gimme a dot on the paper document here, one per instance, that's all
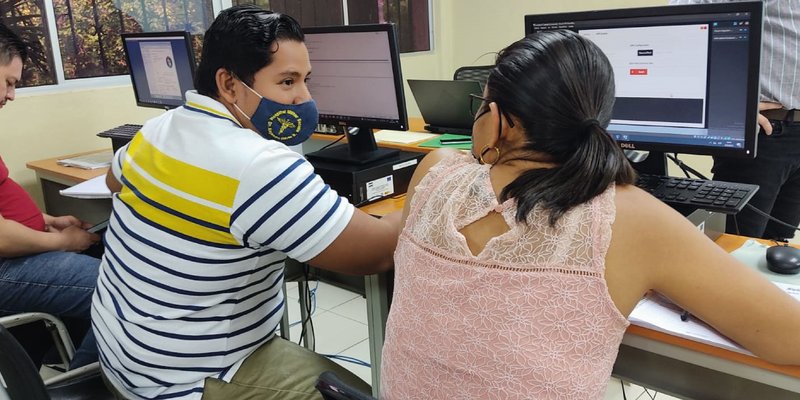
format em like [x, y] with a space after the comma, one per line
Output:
[658, 313]
[89, 161]
[402, 137]
[94, 188]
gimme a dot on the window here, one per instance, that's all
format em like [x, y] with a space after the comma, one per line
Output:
[410, 16]
[27, 18]
[73, 39]
[88, 32]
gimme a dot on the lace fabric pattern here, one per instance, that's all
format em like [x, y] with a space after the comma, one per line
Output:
[529, 317]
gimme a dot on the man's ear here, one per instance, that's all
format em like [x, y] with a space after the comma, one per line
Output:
[226, 85]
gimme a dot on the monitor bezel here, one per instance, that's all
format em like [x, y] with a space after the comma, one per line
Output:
[394, 51]
[754, 58]
[187, 37]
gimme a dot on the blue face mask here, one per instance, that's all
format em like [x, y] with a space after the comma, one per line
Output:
[289, 124]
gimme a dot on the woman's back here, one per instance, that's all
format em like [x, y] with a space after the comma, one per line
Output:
[529, 315]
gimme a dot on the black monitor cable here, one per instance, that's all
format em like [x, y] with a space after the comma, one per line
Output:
[332, 143]
[686, 169]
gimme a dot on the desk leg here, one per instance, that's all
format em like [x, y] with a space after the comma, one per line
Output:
[284, 324]
[376, 288]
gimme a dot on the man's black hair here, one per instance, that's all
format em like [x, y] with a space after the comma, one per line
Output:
[241, 41]
[11, 45]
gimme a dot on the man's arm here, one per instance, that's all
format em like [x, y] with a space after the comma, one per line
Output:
[19, 240]
[111, 181]
[366, 246]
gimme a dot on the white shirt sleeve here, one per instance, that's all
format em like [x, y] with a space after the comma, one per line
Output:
[283, 205]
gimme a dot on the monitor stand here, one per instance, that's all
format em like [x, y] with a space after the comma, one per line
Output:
[644, 162]
[360, 149]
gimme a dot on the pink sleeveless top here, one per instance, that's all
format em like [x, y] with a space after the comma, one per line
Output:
[530, 317]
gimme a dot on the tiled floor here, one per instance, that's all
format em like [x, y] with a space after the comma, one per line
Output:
[340, 326]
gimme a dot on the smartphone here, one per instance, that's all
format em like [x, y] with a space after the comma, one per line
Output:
[98, 227]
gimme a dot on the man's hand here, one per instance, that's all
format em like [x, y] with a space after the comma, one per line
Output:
[60, 223]
[762, 120]
[75, 238]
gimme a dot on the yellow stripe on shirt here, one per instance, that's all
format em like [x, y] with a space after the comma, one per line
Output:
[187, 178]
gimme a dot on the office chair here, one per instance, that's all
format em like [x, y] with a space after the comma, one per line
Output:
[19, 379]
[478, 73]
[332, 388]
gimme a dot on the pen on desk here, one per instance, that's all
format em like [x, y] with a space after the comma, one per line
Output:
[685, 316]
[456, 141]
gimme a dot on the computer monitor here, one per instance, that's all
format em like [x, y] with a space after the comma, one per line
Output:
[161, 66]
[357, 83]
[687, 77]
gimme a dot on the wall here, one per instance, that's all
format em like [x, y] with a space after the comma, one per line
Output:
[39, 126]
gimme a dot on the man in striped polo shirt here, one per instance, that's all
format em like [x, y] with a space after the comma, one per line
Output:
[776, 168]
[208, 202]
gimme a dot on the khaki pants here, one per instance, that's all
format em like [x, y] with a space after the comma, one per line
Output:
[279, 370]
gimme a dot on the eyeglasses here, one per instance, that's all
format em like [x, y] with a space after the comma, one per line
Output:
[479, 105]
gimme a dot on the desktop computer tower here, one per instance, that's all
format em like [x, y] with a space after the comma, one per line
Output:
[367, 183]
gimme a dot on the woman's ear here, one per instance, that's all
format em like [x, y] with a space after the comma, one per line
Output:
[495, 117]
[226, 86]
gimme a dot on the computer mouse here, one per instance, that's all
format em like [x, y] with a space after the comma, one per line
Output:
[783, 259]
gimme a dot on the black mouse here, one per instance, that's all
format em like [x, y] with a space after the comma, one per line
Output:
[783, 259]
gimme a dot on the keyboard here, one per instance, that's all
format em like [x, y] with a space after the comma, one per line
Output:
[719, 196]
[121, 132]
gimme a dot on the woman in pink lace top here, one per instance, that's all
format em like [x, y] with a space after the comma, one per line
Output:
[519, 264]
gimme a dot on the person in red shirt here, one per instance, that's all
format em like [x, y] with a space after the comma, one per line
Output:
[40, 268]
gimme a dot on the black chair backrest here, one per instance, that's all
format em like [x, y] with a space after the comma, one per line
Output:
[22, 380]
[478, 73]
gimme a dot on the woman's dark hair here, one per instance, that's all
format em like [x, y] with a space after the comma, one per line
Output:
[240, 40]
[560, 87]
[11, 45]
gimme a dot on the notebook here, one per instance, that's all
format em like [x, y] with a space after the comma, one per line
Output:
[444, 105]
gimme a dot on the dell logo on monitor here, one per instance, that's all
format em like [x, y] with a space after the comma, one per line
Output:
[629, 146]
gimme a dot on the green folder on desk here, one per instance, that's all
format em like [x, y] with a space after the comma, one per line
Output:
[437, 142]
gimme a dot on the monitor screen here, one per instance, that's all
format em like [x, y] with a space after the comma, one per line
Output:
[357, 82]
[686, 76]
[161, 66]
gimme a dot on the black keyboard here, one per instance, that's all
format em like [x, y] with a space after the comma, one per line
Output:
[719, 196]
[121, 132]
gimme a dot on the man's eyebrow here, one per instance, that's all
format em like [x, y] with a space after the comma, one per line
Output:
[293, 74]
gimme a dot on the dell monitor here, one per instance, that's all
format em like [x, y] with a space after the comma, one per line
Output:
[687, 77]
[161, 66]
[357, 84]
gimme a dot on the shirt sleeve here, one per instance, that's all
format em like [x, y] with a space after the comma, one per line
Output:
[116, 162]
[282, 204]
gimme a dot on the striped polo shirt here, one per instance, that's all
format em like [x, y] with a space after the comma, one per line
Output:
[780, 50]
[190, 283]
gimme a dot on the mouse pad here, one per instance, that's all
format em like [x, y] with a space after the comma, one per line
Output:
[754, 255]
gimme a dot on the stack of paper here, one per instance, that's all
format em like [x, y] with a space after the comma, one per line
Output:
[402, 137]
[94, 188]
[89, 161]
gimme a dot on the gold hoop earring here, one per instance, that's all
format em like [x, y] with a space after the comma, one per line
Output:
[483, 153]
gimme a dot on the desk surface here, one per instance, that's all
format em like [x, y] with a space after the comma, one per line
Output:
[50, 169]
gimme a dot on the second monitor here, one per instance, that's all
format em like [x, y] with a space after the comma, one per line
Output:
[357, 83]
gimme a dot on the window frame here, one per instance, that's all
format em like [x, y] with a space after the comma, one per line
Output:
[63, 85]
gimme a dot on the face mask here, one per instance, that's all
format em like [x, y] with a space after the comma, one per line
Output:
[289, 124]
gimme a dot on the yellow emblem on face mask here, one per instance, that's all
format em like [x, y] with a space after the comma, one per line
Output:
[287, 124]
